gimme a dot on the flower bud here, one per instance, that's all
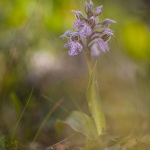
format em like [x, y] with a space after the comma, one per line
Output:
[86, 7]
[91, 4]
[78, 14]
[92, 21]
[89, 9]
[66, 34]
[98, 10]
[107, 22]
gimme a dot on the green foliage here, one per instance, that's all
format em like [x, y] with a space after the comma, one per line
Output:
[80, 122]
[2, 142]
[89, 145]
[8, 144]
[95, 105]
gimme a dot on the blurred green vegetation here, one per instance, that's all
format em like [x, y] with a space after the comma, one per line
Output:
[32, 56]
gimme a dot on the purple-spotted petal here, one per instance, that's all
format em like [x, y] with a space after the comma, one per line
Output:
[78, 23]
[72, 52]
[86, 30]
[68, 44]
[79, 46]
[103, 45]
[75, 47]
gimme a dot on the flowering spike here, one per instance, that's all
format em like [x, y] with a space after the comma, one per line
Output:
[89, 32]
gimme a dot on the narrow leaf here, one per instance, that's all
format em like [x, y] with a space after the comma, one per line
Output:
[95, 105]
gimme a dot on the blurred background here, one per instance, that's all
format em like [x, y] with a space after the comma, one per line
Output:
[36, 70]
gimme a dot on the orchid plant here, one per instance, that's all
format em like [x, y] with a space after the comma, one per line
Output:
[92, 37]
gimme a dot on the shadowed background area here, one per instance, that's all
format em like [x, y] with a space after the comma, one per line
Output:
[32, 56]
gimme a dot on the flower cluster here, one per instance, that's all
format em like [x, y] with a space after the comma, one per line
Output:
[88, 33]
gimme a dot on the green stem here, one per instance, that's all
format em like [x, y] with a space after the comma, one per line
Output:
[88, 56]
[94, 101]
